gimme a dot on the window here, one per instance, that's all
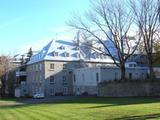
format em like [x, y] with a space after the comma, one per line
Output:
[51, 79]
[36, 67]
[32, 68]
[55, 53]
[97, 77]
[116, 75]
[64, 80]
[65, 90]
[64, 66]
[40, 66]
[62, 48]
[51, 91]
[70, 72]
[74, 78]
[66, 54]
[51, 66]
[40, 78]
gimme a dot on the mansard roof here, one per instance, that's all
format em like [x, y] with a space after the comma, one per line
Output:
[67, 46]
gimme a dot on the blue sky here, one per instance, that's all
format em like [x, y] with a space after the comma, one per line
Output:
[32, 22]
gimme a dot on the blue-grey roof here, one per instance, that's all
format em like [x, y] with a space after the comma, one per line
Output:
[69, 47]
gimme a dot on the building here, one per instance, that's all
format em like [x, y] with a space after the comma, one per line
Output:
[86, 80]
[50, 71]
[69, 67]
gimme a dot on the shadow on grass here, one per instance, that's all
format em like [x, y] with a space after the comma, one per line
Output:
[98, 101]
[141, 117]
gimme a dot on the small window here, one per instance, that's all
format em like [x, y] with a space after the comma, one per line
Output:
[36, 67]
[52, 91]
[78, 89]
[55, 53]
[97, 77]
[40, 77]
[51, 66]
[51, 79]
[64, 80]
[70, 72]
[62, 48]
[74, 78]
[66, 54]
[65, 90]
[64, 66]
[40, 66]
[116, 75]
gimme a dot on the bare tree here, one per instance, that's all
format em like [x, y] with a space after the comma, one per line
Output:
[146, 14]
[112, 20]
[5, 69]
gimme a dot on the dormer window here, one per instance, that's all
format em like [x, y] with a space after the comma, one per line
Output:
[62, 48]
[66, 54]
[55, 53]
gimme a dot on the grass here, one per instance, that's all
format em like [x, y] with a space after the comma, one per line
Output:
[89, 108]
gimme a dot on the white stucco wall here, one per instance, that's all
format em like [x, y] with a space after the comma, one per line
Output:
[86, 78]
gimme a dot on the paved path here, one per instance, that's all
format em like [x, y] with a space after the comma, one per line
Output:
[46, 100]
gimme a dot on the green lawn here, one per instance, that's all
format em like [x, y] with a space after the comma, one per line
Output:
[84, 109]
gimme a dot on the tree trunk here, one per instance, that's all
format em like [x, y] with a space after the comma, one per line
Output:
[123, 72]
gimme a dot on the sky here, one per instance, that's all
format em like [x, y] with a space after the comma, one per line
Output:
[25, 23]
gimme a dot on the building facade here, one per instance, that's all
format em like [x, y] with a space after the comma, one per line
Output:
[71, 68]
[86, 80]
[50, 71]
